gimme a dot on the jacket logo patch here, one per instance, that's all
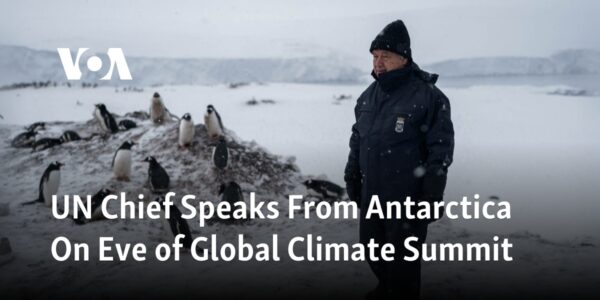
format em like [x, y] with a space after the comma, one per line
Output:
[399, 125]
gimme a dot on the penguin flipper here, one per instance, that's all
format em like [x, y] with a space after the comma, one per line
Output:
[110, 122]
[172, 115]
[112, 164]
[220, 122]
[44, 178]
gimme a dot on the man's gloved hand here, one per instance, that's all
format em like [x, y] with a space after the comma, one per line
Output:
[353, 187]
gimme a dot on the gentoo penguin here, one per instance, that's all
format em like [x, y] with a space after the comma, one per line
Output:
[36, 126]
[220, 154]
[121, 162]
[126, 124]
[96, 211]
[27, 138]
[48, 184]
[69, 136]
[175, 224]
[24, 140]
[45, 143]
[213, 123]
[231, 192]
[105, 119]
[158, 179]
[324, 189]
[186, 131]
[158, 111]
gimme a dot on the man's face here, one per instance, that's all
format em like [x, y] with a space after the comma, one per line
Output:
[385, 61]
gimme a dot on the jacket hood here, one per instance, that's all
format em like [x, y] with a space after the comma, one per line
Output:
[424, 75]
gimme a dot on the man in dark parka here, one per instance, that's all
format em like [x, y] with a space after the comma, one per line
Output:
[401, 146]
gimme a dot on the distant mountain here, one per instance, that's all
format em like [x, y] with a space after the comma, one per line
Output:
[565, 62]
[24, 65]
[21, 64]
[577, 61]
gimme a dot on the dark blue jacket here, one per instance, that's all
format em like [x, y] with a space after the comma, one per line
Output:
[403, 140]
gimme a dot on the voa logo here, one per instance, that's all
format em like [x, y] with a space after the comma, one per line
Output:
[94, 63]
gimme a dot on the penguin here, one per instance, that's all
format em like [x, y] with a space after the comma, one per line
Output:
[36, 126]
[186, 131]
[158, 179]
[105, 119]
[96, 210]
[48, 184]
[69, 136]
[24, 140]
[45, 143]
[213, 122]
[231, 192]
[121, 162]
[126, 124]
[324, 189]
[220, 154]
[158, 111]
[175, 224]
[27, 139]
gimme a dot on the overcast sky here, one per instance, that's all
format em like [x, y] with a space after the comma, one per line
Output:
[274, 28]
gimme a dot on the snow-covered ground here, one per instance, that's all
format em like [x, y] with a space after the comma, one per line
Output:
[518, 143]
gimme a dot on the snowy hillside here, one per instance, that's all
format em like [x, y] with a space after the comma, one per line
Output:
[20, 64]
[565, 62]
